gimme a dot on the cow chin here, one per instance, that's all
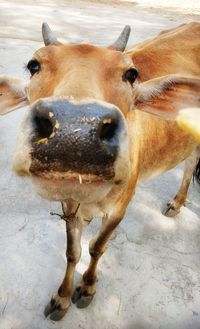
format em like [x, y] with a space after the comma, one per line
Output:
[59, 185]
[62, 186]
[84, 188]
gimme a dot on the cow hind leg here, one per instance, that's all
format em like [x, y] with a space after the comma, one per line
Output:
[85, 291]
[61, 300]
[173, 207]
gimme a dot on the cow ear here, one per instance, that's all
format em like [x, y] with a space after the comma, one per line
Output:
[167, 96]
[12, 94]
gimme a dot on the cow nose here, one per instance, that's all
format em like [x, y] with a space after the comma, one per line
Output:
[79, 137]
[43, 122]
[107, 129]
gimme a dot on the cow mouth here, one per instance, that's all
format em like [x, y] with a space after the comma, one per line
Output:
[61, 186]
[69, 176]
[56, 170]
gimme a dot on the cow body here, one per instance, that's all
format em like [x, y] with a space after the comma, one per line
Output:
[174, 51]
[93, 92]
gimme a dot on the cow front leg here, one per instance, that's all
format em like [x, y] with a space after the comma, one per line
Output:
[61, 300]
[85, 291]
[173, 207]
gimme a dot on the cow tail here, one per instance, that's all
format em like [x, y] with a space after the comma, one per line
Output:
[197, 172]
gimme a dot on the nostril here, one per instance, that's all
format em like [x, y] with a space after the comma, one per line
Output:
[108, 129]
[43, 125]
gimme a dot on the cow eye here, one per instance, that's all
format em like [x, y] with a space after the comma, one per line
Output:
[33, 66]
[130, 75]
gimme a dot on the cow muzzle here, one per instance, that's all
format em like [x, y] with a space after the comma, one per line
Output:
[74, 147]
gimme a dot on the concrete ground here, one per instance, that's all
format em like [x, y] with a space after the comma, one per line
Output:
[191, 6]
[150, 275]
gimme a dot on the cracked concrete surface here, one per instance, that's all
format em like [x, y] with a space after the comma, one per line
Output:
[149, 277]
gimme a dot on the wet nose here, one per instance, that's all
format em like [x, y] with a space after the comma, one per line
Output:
[78, 137]
[43, 121]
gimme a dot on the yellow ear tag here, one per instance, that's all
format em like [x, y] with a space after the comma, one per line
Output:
[189, 120]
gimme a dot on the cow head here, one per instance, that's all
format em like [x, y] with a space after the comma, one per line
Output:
[74, 141]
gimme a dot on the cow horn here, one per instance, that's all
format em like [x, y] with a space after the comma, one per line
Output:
[48, 36]
[121, 42]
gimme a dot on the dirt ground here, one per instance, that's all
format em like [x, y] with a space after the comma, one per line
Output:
[149, 278]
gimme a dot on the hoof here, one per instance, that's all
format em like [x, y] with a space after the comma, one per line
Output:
[49, 309]
[81, 298]
[170, 210]
[55, 310]
[57, 315]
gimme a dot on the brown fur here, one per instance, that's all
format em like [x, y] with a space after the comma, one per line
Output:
[12, 94]
[174, 51]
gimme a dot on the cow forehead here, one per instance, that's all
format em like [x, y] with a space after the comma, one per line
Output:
[82, 53]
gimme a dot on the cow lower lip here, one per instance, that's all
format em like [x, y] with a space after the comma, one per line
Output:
[59, 186]
[69, 176]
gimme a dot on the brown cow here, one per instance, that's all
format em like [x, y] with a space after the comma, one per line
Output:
[83, 144]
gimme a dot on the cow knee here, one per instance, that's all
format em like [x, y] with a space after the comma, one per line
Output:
[96, 249]
[73, 257]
